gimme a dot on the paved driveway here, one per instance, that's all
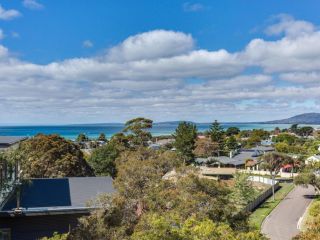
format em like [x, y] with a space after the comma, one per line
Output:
[282, 223]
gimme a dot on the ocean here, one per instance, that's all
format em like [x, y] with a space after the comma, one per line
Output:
[93, 130]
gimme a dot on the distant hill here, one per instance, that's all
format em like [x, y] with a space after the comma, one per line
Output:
[306, 118]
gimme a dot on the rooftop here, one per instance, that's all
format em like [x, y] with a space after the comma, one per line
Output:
[42, 196]
[238, 159]
[10, 140]
[260, 148]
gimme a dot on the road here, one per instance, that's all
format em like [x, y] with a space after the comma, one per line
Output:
[282, 223]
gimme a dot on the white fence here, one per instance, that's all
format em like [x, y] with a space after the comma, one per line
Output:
[262, 180]
[262, 172]
[261, 198]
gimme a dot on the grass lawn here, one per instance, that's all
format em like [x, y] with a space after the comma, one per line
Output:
[257, 217]
[308, 218]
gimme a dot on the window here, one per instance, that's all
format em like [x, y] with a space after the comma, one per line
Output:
[5, 234]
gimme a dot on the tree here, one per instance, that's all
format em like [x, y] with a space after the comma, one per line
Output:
[308, 177]
[82, 138]
[273, 162]
[102, 160]
[47, 156]
[231, 143]
[56, 236]
[217, 136]
[158, 227]
[294, 128]
[305, 131]
[255, 137]
[243, 191]
[282, 147]
[138, 129]
[102, 137]
[232, 131]
[286, 138]
[120, 141]
[145, 206]
[185, 137]
[204, 148]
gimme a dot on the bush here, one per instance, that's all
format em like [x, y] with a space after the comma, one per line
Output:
[315, 209]
[56, 236]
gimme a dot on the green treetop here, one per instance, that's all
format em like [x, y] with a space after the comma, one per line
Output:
[232, 131]
[185, 138]
[138, 131]
[47, 156]
[102, 137]
[217, 135]
[82, 138]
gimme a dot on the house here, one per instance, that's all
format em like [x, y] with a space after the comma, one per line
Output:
[154, 146]
[312, 159]
[8, 172]
[236, 159]
[9, 142]
[51, 205]
[267, 142]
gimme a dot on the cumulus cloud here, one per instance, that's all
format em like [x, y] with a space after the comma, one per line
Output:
[147, 75]
[289, 26]
[32, 4]
[8, 14]
[152, 45]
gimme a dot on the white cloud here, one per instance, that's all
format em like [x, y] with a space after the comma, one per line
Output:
[302, 77]
[8, 14]
[4, 53]
[32, 4]
[87, 44]
[287, 54]
[192, 7]
[147, 75]
[289, 26]
[152, 45]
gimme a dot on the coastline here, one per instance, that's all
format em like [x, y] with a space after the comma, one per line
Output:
[93, 130]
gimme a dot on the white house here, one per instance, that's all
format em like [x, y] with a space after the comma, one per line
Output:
[312, 159]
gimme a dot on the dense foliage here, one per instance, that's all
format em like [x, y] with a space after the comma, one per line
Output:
[185, 138]
[46, 156]
[102, 159]
[148, 207]
[137, 130]
[217, 136]
[82, 138]
[204, 148]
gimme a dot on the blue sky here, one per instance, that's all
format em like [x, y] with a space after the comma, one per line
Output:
[107, 61]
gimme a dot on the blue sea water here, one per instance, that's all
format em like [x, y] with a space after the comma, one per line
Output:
[93, 130]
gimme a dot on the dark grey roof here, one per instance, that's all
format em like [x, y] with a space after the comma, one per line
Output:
[239, 159]
[59, 194]
[10, 140]
[261, 148]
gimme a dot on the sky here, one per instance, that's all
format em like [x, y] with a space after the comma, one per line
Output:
[100, 61]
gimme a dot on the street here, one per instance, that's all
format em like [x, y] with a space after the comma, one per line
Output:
[282, 223]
